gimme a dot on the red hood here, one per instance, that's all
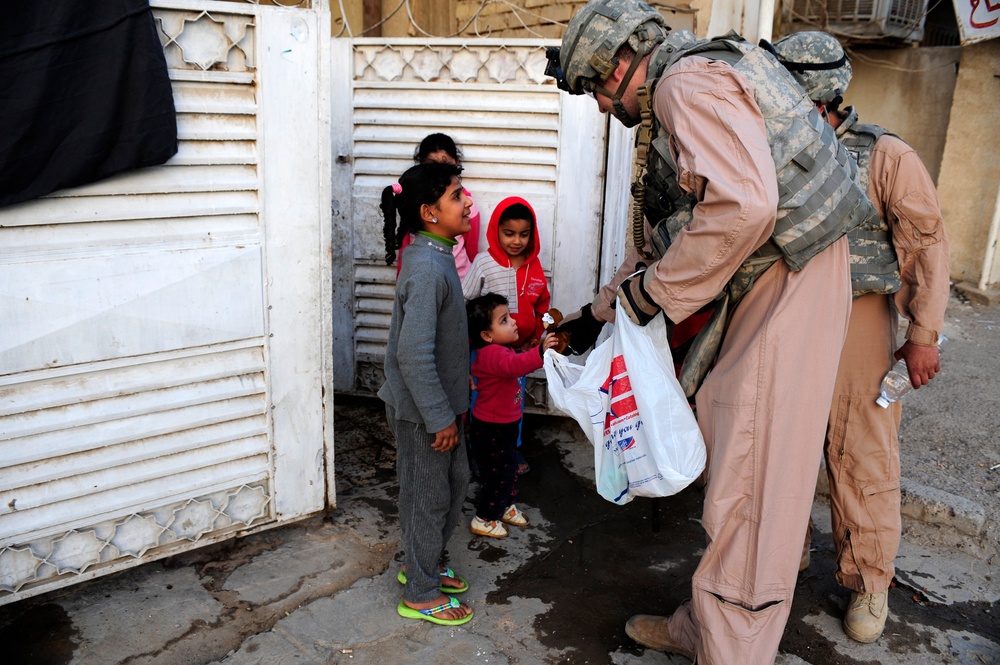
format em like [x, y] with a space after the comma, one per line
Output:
[493, 233]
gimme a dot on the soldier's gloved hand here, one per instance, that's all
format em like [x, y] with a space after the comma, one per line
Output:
[634, 299]
[583, 330]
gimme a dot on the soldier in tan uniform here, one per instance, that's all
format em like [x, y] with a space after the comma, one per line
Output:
[862, 451]
[755, 227]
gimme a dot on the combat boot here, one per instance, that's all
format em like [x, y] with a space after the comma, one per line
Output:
[652, 631]
[866, 615]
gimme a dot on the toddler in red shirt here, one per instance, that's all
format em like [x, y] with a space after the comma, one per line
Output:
[496, 414]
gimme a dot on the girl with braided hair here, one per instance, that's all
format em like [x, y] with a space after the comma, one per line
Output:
[440, 147]
[426, 391]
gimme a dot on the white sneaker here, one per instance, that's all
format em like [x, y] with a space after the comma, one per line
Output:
[492, 529]
[514, 517]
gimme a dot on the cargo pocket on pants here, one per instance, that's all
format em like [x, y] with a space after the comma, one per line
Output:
[734, 466]
[743, 622]
[734, 633]
[882, 510]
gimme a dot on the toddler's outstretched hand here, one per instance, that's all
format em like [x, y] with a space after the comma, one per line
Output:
[549, 341]
[446, 439]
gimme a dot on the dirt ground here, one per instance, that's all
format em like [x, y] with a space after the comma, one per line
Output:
[949, 438]
[605, 563]
[323, 590]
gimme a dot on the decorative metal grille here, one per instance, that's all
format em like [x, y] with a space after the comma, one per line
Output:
[204, 41]
[450, 63]
[77, 550]
[832, 11]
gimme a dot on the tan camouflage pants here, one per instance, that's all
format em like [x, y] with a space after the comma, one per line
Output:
[763, 412]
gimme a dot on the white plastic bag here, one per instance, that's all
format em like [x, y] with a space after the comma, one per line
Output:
[628, 402]
[575, 391]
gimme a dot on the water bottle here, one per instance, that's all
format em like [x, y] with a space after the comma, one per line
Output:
[896, 384]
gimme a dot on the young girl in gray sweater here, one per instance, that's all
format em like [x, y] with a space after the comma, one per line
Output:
[426, 389]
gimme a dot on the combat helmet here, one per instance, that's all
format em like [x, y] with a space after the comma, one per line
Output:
[593, 37]
[818, 62]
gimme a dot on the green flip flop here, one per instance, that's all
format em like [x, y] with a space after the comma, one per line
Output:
[447, 572]
[408, 612]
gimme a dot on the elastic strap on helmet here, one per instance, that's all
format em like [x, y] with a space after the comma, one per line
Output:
[649, 39]
[802, 66]
[813, 66]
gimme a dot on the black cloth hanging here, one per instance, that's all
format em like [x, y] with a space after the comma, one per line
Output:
[84, 94]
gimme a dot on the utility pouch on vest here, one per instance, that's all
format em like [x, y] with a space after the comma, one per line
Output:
[704, 349]
[837, 205]
[874, 266]
[666, 229]
[668, 207]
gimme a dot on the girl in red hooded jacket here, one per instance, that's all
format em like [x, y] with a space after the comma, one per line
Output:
[512, 268]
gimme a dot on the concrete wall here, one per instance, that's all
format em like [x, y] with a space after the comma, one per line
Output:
[908, 91]
[970, 169]
[353, 17]
[435, 17]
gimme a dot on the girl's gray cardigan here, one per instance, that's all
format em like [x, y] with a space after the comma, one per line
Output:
[427, 359]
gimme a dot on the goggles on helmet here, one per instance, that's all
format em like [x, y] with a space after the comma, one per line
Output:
[554, 69]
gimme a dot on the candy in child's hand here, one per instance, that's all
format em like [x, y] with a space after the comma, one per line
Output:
[563, 342]
[551, 320]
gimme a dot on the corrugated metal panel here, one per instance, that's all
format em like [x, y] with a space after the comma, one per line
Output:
[374, 289]
[150, 399]
[27, 243]
[70, 209]
[134, 406]
[507, 123]
[215, 152]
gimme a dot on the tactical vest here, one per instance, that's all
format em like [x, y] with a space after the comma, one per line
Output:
[874, 267]
[818, 200]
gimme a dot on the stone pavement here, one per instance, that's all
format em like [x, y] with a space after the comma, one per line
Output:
[324, 591]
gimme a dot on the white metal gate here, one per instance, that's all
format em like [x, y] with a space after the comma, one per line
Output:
[520, 136]
[164, 335]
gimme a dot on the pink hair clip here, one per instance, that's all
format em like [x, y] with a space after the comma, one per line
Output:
[397, 188]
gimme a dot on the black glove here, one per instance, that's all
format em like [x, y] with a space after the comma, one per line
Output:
[582, 329]
[635, 299]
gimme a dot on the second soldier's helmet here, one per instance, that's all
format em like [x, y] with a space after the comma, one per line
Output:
[818, 62]
[598, 30]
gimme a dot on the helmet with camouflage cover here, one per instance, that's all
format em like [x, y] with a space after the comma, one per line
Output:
[818, 62]
[593, 37]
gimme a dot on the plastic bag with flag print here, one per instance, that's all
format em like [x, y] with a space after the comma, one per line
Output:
[628, 402]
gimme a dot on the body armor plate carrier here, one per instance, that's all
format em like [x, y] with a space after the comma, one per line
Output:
[874, 267]
[818, 199]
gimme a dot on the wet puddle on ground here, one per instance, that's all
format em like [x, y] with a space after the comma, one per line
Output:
[607, 562]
